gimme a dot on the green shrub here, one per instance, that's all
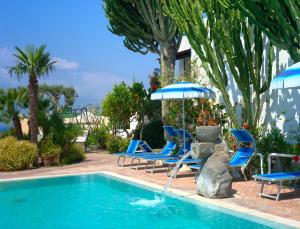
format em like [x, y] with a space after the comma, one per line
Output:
[273, 141]
[74, 155]
[47, 148]
[16, 155]
[116, 144]
[98, 136]
[153, 134]
[7, 133]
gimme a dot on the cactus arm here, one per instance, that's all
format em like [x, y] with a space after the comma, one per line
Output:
[279, 20]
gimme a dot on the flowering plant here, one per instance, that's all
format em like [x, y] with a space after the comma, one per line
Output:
[211, 114]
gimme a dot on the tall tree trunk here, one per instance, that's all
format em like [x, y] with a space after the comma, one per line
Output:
[17, 126]
[167, 65]
[33, 107]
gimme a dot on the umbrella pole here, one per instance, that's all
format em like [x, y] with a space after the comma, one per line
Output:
[183, 123]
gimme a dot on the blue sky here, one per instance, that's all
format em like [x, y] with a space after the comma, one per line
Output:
[75, 31]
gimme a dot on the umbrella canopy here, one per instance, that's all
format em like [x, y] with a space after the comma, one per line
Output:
[183, 90]
[289, 78]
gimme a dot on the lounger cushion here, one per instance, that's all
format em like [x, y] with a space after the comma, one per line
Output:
[186, 161]
[241, 157]
[242, 135]
[279, 176]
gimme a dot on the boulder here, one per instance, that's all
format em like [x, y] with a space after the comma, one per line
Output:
[201, 150]
[214, 180]
[208, 133]
[222, 151]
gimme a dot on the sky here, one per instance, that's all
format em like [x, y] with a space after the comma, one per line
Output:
[90, 58]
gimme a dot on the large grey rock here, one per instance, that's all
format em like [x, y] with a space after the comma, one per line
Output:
[208, 133]
[202, 150]
[222, 151]
[214, 180]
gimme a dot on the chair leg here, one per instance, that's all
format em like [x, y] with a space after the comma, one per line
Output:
[279, 189]
[153, 167]
[243, 172]
[124, 158]
[261, 188]
[118, 162]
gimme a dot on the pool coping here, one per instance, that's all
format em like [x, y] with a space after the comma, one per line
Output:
[180, 193]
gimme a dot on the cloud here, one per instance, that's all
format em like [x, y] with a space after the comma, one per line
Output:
[65, 64]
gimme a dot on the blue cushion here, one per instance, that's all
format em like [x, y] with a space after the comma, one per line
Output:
[241, 157]
[242, 135]
[170, 131]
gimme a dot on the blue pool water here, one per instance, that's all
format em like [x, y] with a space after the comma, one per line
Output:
[98, 201]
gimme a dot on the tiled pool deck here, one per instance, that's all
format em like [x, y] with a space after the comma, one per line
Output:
[245, 192]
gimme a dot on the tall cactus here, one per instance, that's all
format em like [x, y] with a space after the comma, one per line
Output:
[146, 29]
[279, 19]
[226, 44]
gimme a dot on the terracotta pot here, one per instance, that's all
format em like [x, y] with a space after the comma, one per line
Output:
[208, 133]
[48, 160]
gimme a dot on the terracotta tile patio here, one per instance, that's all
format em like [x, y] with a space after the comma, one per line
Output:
[245, 192]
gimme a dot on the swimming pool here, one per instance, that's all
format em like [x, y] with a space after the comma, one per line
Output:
[100, 201]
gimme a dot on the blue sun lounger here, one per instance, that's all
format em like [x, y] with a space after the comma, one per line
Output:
[166, 151]
[154, 158]
[246, 150]
[170, 131]
[276, 178]
[132, 150]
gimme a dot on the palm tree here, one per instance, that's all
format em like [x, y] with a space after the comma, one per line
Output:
[12, 101]
[34, 62]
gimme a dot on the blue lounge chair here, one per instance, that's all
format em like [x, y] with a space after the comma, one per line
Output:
[166, 151]
[170, 131]
[184, 134]
[276, 178]
[188, 161]
[154, 158]
[246, 150]
[132, 150]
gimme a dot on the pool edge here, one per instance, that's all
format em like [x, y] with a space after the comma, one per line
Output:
[215, 202]
[191, 196]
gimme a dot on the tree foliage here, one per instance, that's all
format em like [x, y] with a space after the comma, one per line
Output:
[34, 62]
[146, 29]
[125, 104]
[56, 92]
[12, 102]
[278, 19]
[117, 106]
[227, 43]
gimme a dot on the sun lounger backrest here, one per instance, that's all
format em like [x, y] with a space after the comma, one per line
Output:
[186, 146]
[167, 150]
[133, 145]
[241, 157]
[182, 132]
[170, 131]
[145, 146]
[242, 135]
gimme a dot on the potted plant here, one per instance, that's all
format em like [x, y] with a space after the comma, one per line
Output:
[49, 152]
[209, 120]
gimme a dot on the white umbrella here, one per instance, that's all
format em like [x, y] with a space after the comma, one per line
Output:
[183, 90]
[289, 78]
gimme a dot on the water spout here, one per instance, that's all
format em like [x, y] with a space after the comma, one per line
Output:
[175, 170]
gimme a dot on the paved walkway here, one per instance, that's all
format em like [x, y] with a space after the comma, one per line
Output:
[245, 192]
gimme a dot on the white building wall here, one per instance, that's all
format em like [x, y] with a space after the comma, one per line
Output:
[281, 107]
